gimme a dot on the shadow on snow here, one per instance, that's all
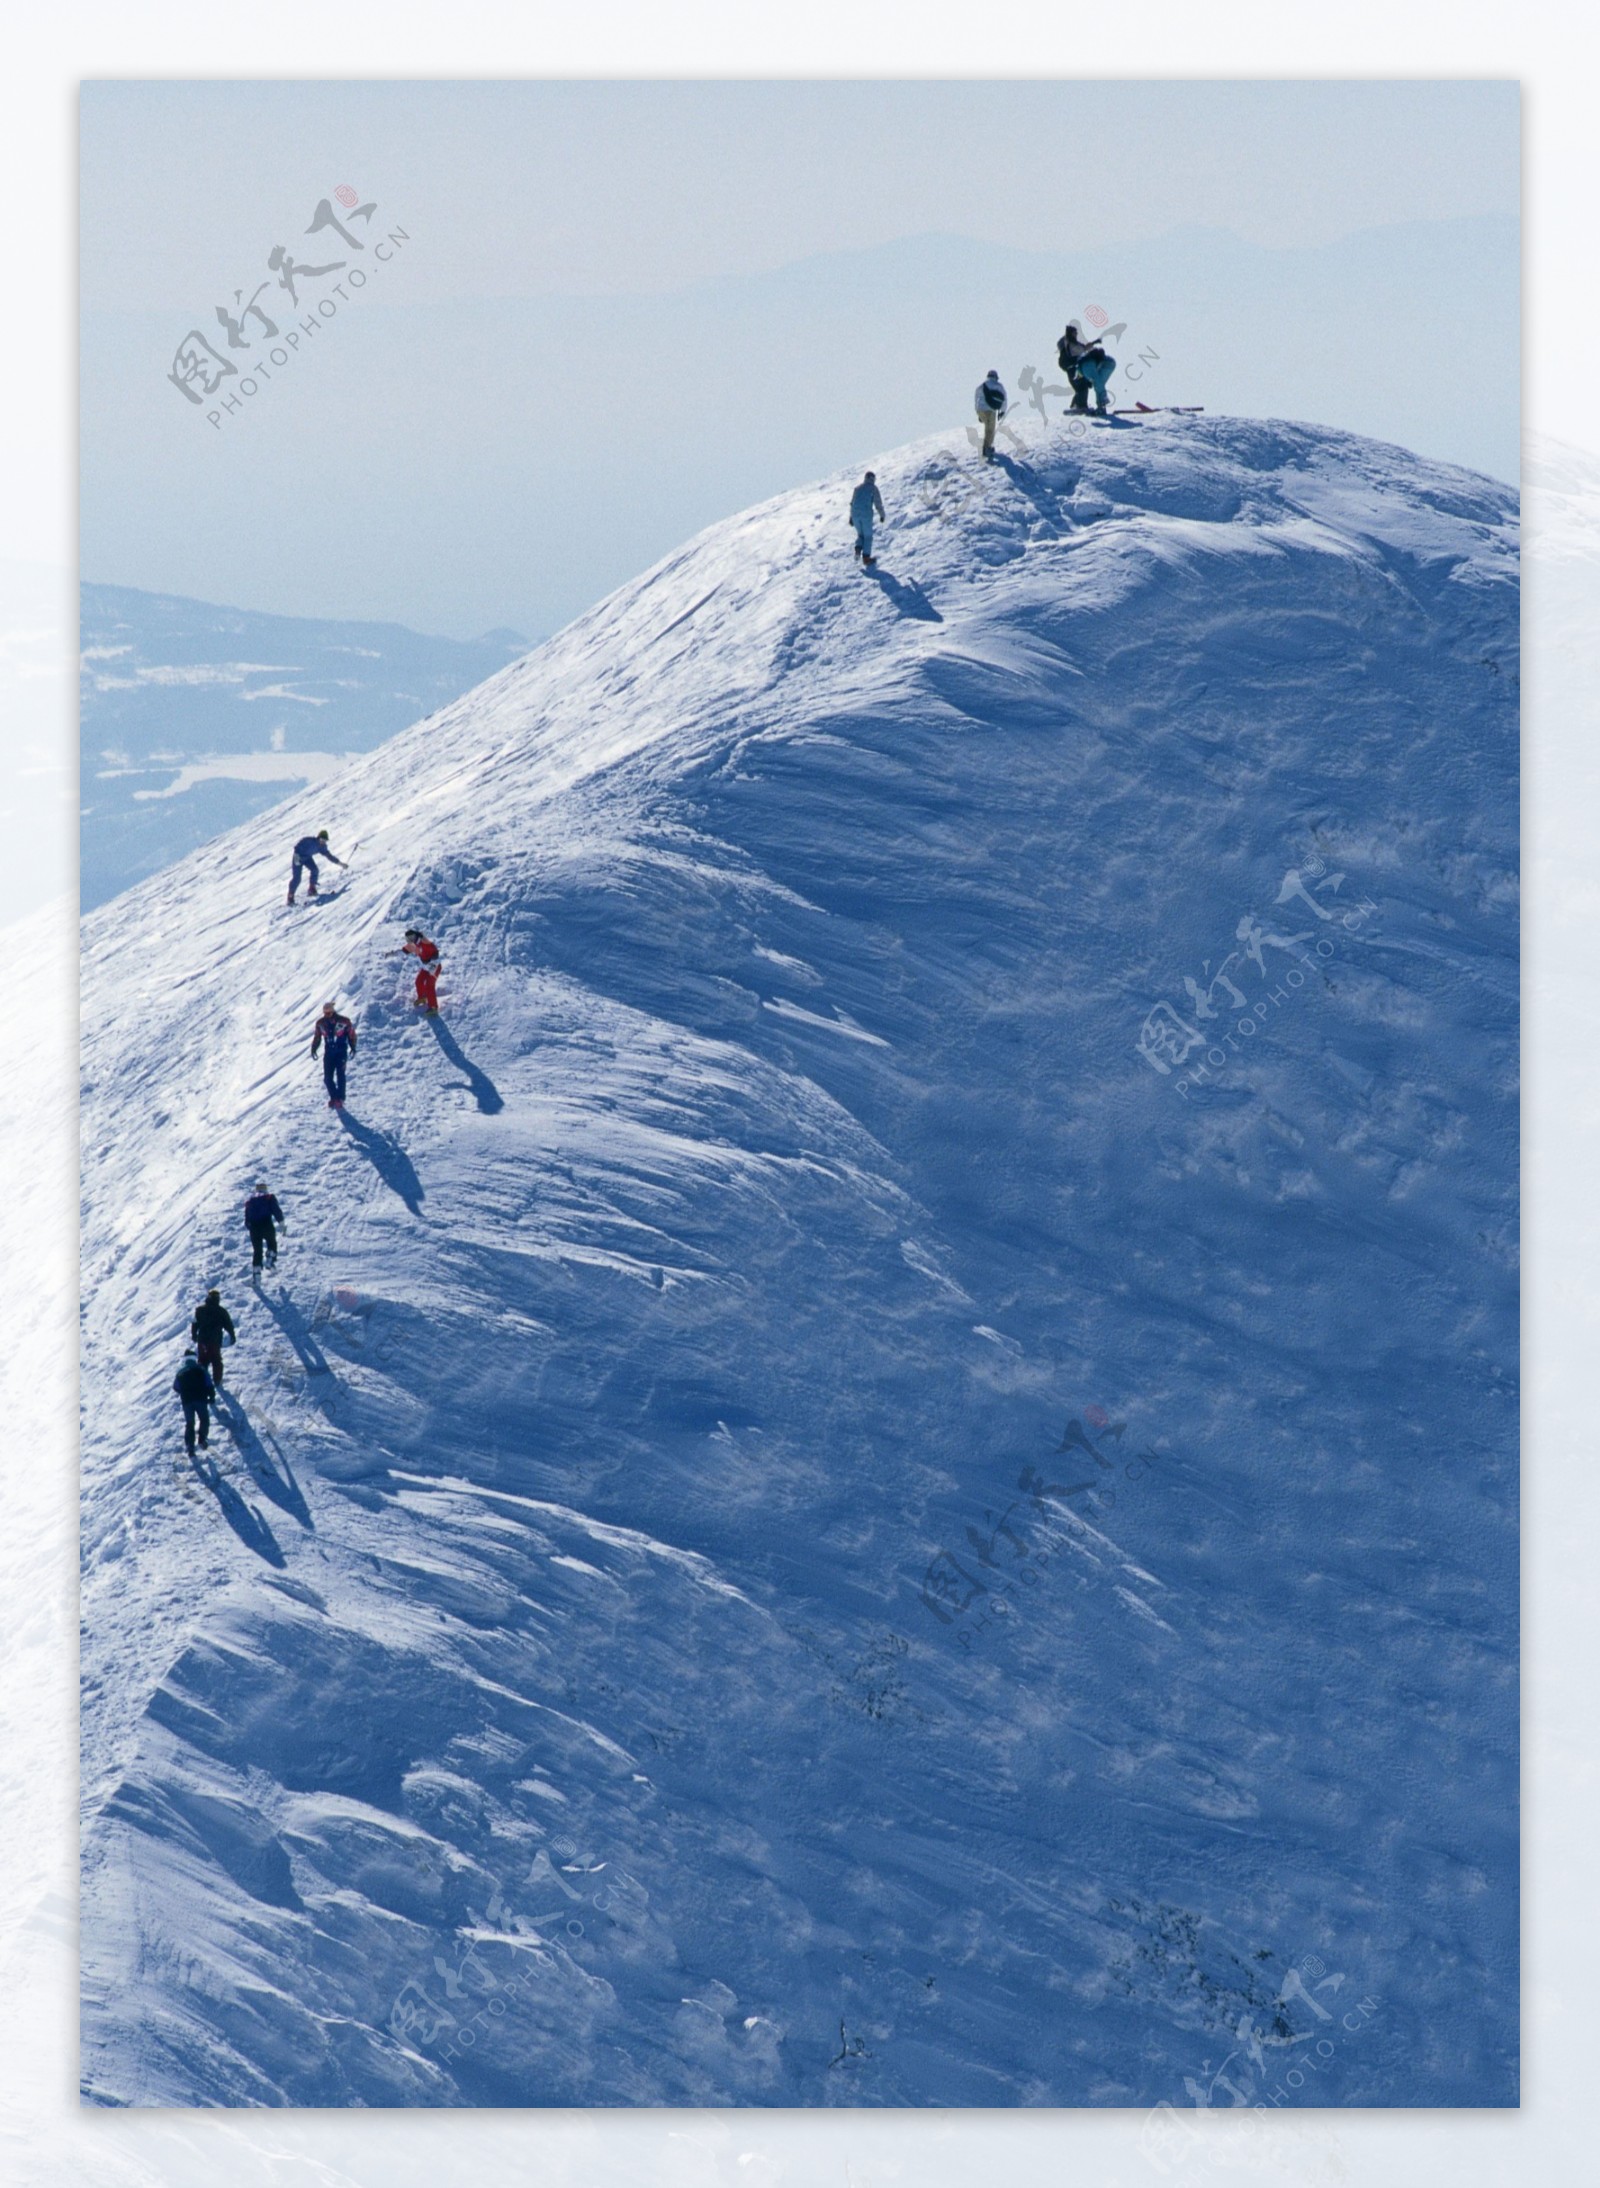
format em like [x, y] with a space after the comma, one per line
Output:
[482, 1088]
[251, 1529]
[298, 1331]
[269, 1469]
[909, 599]
[388, 1158]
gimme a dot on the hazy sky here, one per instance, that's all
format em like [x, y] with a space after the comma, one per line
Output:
[625, 310]
[527, 189]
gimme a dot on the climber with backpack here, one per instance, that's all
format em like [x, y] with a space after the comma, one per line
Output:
[990, 404]
[1087, 366]
[211, 1323]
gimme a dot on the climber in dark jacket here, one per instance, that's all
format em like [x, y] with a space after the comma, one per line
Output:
[261, 1213]
[1086, 365]
[195, 1393]
[211, 1320]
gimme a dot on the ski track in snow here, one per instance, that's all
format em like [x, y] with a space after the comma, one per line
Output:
[779, 1180]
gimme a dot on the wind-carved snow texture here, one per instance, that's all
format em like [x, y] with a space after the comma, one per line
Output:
[646, 1632]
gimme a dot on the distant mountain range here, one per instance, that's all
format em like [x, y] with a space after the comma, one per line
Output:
[512, 459]
[194, 717]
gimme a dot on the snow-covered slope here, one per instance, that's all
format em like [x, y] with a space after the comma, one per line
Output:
[653, 1635]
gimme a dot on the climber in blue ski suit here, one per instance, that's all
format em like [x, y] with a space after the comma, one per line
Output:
[335, 1035]
[864, 503]
[306, 854]
[262, 1215]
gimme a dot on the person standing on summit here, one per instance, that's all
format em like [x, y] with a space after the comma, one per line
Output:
[1086, 365]
[306, 854]
[335, 1035]
[990, 404]
[865, 502]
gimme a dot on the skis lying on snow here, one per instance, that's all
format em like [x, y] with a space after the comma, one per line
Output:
[1152, 410]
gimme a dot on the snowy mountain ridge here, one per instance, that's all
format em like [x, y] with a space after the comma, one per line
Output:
[786, 1216]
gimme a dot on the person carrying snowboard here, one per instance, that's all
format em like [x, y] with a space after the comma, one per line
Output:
[195, 1392]
[306, 854]
[211, 1320]
[990, 404]
[261, 1215]
[335, 1035]
[864, 503]
[1086, 365]
[426, 954]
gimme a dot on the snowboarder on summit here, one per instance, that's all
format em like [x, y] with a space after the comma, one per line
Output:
[195, 1392]
[335, 1035]
[1086, 365]
[990, 404]
[865, 502]
[426, 954]
[261, 1216]
[211, 1321]
[306, 854]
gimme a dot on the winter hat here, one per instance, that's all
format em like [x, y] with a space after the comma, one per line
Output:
[189, 1355]
[213, 1299]
[322, 835]
[870, 475]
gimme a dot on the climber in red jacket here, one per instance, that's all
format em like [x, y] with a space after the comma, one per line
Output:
[427, 955]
